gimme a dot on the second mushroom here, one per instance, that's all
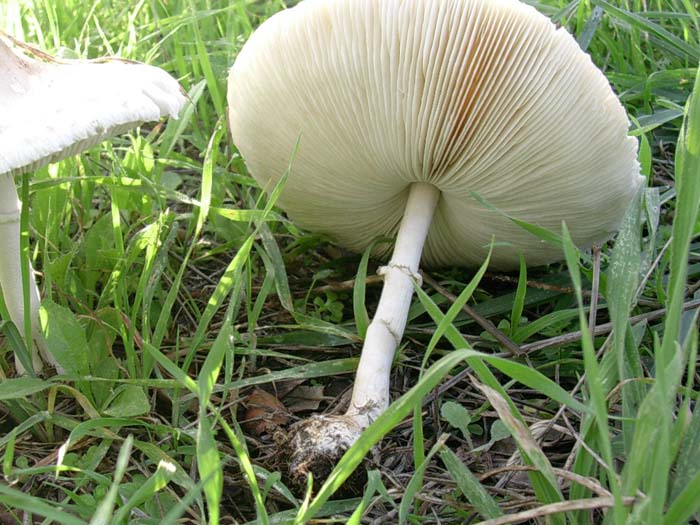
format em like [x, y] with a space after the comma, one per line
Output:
[52, 109]
[404, 111]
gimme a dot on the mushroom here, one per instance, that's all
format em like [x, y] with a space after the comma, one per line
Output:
[52, 109]
[409, 114]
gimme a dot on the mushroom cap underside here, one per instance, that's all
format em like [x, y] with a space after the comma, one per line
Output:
[52, 110]
[485, 99]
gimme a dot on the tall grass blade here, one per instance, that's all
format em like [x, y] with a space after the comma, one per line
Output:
[668, 40]
[594, 380]
[685, 219]
[105, 510]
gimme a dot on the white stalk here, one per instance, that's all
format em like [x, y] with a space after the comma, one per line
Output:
[370, 396]
[11, 273]
[319, 441]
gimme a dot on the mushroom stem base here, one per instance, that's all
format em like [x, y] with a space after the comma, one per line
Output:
[319, 442]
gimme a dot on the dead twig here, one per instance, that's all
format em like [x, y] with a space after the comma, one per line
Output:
[557, 508]
[591, 484]
[539, 285]
[487, 325]
[601, 329]
[370, 280]
[593, 313]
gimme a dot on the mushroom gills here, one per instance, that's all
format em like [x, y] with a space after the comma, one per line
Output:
[320, 440]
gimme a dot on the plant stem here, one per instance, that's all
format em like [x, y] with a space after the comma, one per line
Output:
[370, 396]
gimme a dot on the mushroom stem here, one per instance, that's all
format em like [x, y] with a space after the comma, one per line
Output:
[319, 441]
[10, 269]
[370, 396]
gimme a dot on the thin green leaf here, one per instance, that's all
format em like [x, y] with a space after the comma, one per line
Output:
[416, 481]
[103, 514]
[474, 491]
[19, 500]
[21, 387]
[671, 42]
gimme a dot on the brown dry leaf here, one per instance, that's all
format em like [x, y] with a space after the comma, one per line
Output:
[7, 519]
[282, 388]
[264, 412]
[304, 398]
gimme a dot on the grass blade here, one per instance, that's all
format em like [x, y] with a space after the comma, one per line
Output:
[670, 42]
[358, 294]
[103, 514]
[685, 219]
[19, 500]
[474, 491]
[416, 482]
[593, 376]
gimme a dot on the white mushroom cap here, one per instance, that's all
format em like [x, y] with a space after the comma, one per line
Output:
[54, 109]
[472, 96]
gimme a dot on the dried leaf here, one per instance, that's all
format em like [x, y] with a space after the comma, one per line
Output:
[304, 398]
[264, 413]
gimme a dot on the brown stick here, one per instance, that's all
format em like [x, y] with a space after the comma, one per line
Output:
[593, 314]
[600, 329]
[556, 508]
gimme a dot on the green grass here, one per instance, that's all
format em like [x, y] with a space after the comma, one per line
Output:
[173, 288]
